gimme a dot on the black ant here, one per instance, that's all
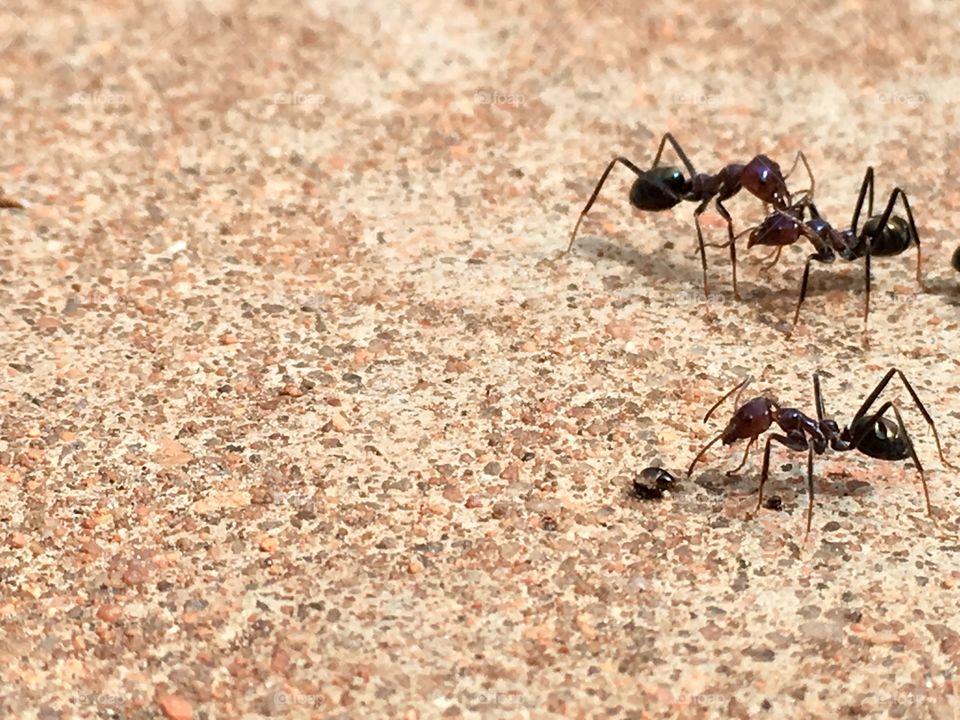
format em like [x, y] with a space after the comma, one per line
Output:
[869, 432]
[661, 188]
[881, 235]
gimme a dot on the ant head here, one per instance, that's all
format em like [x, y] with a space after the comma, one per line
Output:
[659, 189]
[763, 178]
[777, 230]
[750, 420]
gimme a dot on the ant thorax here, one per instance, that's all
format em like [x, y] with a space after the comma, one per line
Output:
[830, 242]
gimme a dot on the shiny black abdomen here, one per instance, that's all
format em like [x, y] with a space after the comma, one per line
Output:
[658, 189]
[895, 238]
[883, 441]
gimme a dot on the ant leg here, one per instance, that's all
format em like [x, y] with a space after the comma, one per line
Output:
[743, 384]
[596, 191]
[803, 293]
[733, 245]
[667, 137]
[866, 298]
[701, 453]
[913, 230]
[872, 397]
[866, 185]
[703, 252]
[793, 442]
[764, 472]
[902, 430]
[818, 396]
[809, 491]
[739, 235]
[808, 193]
[743, 462]
[776, 258]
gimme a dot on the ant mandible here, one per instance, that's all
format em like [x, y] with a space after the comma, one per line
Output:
[870, 433]
[881, 235]
[661, 188]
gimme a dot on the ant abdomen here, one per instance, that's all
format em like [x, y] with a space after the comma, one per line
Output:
[658, 189]
[895, 238]
[881, 438]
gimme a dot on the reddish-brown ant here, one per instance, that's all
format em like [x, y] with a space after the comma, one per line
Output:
[881, 235]
[661, 188]
[869, 432]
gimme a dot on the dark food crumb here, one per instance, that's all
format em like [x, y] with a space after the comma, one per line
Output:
[651, 483]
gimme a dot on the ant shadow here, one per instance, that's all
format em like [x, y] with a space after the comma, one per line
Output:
[948, 289]
[760, 286]
[790, 486]
[648, 265]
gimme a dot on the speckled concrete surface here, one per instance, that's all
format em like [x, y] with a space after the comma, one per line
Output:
[304, 415]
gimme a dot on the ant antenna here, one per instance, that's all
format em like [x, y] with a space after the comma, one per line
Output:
[746, 381]
[702, 451]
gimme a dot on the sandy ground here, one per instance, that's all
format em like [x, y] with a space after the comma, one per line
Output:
[304, 416]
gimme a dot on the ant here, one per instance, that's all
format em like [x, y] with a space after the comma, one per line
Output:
[869, 432]
[881, 235]
[662, 187]
[955, 261]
